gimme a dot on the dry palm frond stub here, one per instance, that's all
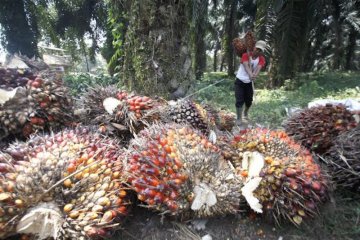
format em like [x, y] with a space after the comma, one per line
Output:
[343, 160]
[67, 185]
[115, 109]
[316, 128]
[280, 177]
[29, 102]
[186, 111]
[175, 170]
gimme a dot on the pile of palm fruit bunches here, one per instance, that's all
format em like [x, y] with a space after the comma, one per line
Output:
[78, 182]
[332, 132]
[30, 103]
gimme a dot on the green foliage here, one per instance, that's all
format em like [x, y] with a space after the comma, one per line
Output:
[19, 27]
[117, 22]
[79, 82]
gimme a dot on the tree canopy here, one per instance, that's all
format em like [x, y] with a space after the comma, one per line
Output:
[301, 35]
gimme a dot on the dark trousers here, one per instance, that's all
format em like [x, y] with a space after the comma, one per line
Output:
[244, 93]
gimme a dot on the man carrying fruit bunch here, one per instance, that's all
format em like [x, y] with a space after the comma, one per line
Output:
[250, 65]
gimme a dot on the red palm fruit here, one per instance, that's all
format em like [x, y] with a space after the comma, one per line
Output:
[42, 97]
[117, 110]
[190, 167]
[286, 172]
[316, 128]
[67, 177]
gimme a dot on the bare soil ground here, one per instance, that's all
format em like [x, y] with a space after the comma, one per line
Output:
[147, 225]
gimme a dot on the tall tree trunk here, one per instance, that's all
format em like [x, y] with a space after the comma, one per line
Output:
[338, 50]
[350, 50]
[289, 42]
[215, 56]
[222, 63]
[157, 56]
[200, 19]
[18, 35]
[230, 34]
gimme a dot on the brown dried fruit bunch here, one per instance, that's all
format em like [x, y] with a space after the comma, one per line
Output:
[343, 160]
[67, 185]
[190, 112]
[316, 128]
[175, 170]
[225, 120]
[29, 102]
[247, 43]
[250, 40]
[116, 109]
[280, 177]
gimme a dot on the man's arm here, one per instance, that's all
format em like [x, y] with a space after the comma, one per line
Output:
[248, 69]
[257, 70]
[245, 62]
[259, 66]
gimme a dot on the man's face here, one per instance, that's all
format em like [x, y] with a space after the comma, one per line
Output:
[257, 52]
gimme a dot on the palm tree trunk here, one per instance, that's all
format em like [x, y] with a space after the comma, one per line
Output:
[350, 51]
[157, 56]
[338, 51]
[230, 34]
[200, 18]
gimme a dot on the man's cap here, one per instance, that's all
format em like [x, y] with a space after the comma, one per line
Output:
[261, 45]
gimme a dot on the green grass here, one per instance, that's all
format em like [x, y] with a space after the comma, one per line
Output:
[79, 82]
[269, 105]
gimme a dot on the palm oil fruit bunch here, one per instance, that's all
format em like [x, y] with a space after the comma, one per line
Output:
[225, 120]
[316, 127]
[343, 160]
[67, 185]
[250, 40]
[280, 177]
[115, 109]
[29, 102]
[13, 78]
[190, 112]
[175, 170]
[241, 45]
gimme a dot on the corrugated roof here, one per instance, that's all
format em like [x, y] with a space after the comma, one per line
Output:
[57, 60]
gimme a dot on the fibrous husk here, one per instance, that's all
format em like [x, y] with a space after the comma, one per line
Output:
[175, 170]
[117, 110]
[316, 128]
[29, 103]
[280, 177]
[67, 185]
[343, 160]
[186, 111]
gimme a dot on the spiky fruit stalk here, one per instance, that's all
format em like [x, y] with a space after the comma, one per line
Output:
[317, 127]
[280, 177]
[343, 160]
[67, 185]
[29, 102]
[176, 170]
[190, 112]
[116, 109]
